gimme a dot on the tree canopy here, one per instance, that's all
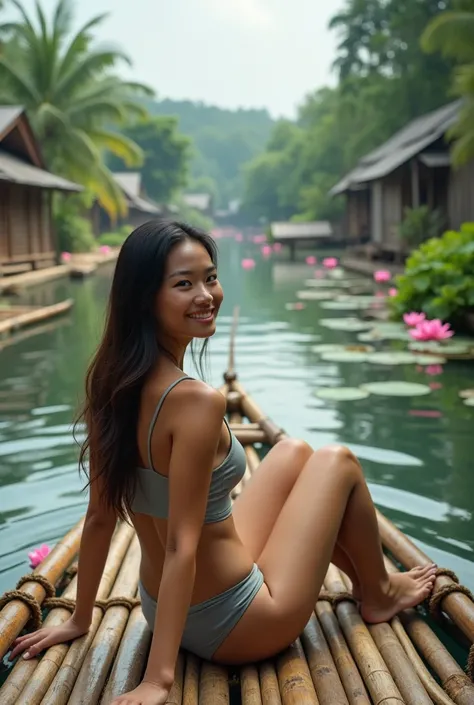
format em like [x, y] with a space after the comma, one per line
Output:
[385, 79]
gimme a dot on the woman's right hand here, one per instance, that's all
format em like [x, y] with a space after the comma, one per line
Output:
[35, 642]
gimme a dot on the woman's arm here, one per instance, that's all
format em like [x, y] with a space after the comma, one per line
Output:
[196, 436]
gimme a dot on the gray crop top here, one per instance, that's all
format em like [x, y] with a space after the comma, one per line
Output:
[151, 494]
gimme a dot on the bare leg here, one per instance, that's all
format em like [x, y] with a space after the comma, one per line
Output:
[329, 503]
[258, 506]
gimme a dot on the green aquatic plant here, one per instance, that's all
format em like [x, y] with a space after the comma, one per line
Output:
[438, 278]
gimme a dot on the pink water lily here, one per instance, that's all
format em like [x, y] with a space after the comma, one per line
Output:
[37, 555]
[266, 250]
[66, 256]
[434, 370]
[258, 239]
[382, 275]
[248, 263]
[311, 259]
[413, 319]
[104, 249]
[431, 330]
[330, 262]
[392, 291]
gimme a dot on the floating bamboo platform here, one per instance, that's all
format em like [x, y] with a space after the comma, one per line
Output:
[15, 317]
[338, 659]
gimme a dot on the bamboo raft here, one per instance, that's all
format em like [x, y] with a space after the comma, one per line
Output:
[338, 660]
[16, 317]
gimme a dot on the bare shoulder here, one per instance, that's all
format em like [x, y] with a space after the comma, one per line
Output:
[194, 396]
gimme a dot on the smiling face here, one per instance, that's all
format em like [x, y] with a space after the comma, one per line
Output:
[190, 297]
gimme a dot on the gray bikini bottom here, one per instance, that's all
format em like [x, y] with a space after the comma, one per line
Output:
[209, 623]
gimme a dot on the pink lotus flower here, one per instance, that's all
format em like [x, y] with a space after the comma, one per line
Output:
[258, 239]
[311, 259]
[392, 291]
[413, 319]
[266, 250]
[239, 237]
[66, 256]
[431, 330]
[248, 263]
[104, 249]
[37, 555]
[435, 386]
[330, 262]
[434, 370]
[277, 247]
[382, 275]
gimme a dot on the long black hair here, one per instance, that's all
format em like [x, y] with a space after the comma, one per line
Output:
[127, 353]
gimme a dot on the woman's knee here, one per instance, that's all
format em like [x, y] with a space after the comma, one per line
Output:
[339, 457]
[296, 448]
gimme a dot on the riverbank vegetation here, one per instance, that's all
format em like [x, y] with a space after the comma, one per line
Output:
[386, 77]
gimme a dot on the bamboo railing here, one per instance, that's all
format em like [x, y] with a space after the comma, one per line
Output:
[338, 659]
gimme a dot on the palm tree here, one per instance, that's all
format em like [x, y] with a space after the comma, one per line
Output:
[452, 33]
[66, 84]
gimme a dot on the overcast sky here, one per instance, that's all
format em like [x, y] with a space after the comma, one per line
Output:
[231, 53]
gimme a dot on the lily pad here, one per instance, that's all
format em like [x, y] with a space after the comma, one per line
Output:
[433, 347]
[341, 305]
[344, 356]
[352, 325]
[325, 284]
[397, 389]
[394, 357]
[341, 393]
[469, 401]
[315, 295]
[335, 347]
[388, 331]
[467, 393]
[430, 360]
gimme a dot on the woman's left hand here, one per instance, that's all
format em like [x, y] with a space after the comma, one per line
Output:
[145, 694]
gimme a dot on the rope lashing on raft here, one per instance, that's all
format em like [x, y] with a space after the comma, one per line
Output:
[51, 602]
[335, 598]
[437, 597]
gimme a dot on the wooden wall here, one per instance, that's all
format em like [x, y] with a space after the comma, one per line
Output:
[26, 228]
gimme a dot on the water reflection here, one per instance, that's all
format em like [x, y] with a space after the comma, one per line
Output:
[419, 466]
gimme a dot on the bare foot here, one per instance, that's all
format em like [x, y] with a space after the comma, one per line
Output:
[403, 590]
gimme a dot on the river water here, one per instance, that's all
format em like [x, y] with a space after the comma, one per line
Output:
[417, 452]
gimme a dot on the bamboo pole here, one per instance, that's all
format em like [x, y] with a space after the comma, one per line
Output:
[403, 671]
[129, 664]
[247, 437]
[294, 678]
[214, 684]
[16, 614]
[250, 685]
[458, 606]
[191, 680]
[375, 673]
[327, 683]
[256, 415]
[230, 374]
[253, 461]
[455, 682]
[349, 674]
[175, 696]
[269, 687]
[29, 680]
[236, 427]
[82, 674]
[34, 315]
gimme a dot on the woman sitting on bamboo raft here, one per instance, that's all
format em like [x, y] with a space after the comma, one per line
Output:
[233, 584]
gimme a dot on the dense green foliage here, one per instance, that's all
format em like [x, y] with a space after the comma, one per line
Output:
[420, 224]
[385, 80]
[223, 140]
[72, 97]
[438, 278]
[166, 155]
[453, 34]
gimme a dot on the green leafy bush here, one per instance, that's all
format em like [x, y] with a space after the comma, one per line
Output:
[111, 239]
[74, 233]
[438, 277]
[420, 224]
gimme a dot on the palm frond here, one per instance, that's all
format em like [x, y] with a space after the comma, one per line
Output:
[452, 33]
[463, 149]
[120, 145]
[96, 110]
[92, 63]
[62, 20]
[79, 44]
[22, 90]
[43, 23]
[108, 192]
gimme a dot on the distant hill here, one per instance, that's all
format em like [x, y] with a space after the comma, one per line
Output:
[223, 141]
